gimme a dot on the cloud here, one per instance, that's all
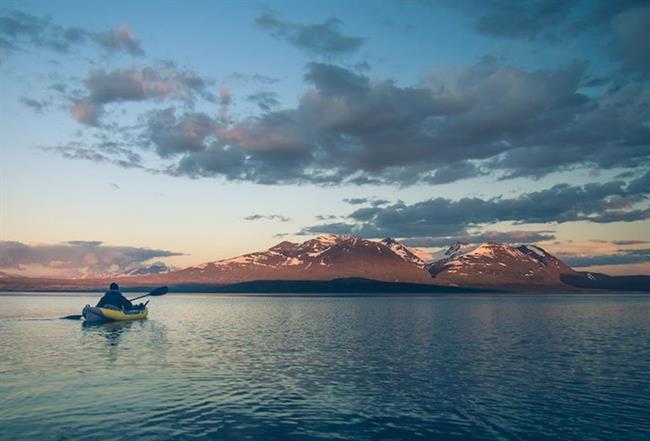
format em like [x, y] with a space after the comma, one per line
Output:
[622, 257]
[379, 202]
[264, 100]
[225, 96]
[86, 112]
[486, 119]
[607, 202]
[625, 25]
[76, 258]
[343, 228]
[259, 78]
[119, 40]
[511, 121]
[19, 30]
[355, 201]
[59, 87]
[172, 135]
[332, 80]
[37, 106]
[515, 236]
[630, 242]
[311, 143]
[504, 19]
[257, 217]
[153, 268]
[631, 43]
[454, 172]
[102, 153]
[640, 185]
[137, 84]
[372, 201]
[323, 217]
[322, 39]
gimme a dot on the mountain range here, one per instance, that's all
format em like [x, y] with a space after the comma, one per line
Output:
[313, 265]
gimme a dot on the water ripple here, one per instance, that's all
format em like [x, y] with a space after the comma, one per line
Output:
[453, 368]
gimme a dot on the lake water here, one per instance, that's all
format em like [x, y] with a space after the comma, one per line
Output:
[231, 368]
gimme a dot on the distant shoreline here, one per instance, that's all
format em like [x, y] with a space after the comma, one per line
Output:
[351, 287]
[468, 295]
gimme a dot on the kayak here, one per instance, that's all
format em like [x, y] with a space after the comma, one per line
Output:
[104, 314]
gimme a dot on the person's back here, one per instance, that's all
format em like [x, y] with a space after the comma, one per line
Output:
[113, 297]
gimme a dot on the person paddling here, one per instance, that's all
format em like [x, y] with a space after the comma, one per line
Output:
[113, 297]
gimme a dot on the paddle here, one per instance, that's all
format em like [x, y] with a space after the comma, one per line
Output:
[156, 292]
[72, 317]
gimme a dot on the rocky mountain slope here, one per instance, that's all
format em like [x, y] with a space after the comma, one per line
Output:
[323, 258]
[404, 252]
[496, 264]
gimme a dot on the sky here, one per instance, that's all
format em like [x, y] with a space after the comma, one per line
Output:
[167, 134]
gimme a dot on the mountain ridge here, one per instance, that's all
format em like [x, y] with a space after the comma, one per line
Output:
[498, 264]
[325, 257]
[328, 258]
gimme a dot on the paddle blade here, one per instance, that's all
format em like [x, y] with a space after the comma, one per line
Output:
[156, 292]
[159, 291]
[72, 317]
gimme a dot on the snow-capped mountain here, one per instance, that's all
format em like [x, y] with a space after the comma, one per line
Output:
[455, 249]
[326, 258]
[329, 257]
[498, 265]
[404, 252]
[323, 258]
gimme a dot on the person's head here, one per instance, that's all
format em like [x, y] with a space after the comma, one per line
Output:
[114, 286]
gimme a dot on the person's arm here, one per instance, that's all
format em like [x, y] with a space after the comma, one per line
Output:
[126, 303]
[101, 302]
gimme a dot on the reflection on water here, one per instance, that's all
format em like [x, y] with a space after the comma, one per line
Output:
[111, 330]
[111, 333]
[542, 367]
[114, 339]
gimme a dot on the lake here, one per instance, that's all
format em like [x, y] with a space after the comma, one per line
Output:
[462, 367]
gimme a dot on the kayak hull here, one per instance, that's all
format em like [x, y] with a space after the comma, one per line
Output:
[96, 315]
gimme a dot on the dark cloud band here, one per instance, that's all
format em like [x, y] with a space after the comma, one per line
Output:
[623, 257]
[323, 39]
[613, 201]
[76, 258]
[516, 236]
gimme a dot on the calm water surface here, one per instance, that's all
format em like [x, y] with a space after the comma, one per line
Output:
[230, 368]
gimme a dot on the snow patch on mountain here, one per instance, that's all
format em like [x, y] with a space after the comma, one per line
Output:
[402, 251]
[537, 250]
[455, 249]
[494, 263]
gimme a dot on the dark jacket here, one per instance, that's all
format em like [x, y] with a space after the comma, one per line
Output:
[114, 298]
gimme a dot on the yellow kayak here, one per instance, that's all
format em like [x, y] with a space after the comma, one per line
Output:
[103, 314]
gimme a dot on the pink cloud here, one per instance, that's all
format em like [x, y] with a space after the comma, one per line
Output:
[86, 113]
